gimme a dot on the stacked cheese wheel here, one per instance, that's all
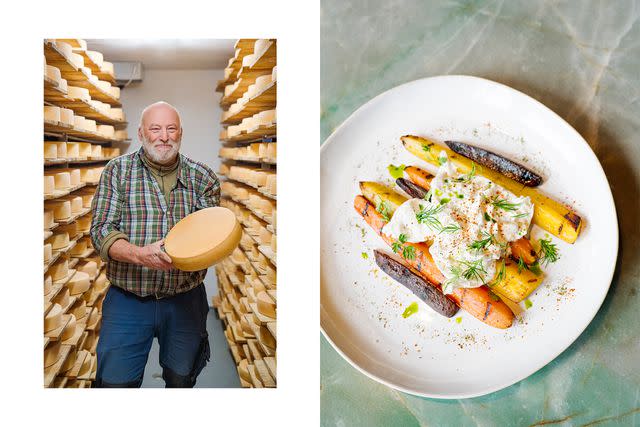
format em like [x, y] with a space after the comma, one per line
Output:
[78, 120]
[246, 302]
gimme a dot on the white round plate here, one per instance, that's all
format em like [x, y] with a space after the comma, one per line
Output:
[427, 354]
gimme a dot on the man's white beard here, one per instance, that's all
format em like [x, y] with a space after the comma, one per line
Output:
[161, 157]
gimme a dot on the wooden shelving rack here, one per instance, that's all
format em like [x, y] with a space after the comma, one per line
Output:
[246, 301]
[76, 364]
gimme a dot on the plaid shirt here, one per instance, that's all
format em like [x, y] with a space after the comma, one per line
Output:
[128, 199]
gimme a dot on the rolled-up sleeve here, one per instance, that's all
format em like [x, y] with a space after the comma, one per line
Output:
[106, 209]
[210, 196]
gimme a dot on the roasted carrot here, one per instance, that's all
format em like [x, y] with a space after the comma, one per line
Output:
[520, 249]
[477, 301]
[419, 176]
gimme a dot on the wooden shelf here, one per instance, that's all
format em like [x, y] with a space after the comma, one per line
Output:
[95, 70]
[52, 88]
[81, 108]
[256, 134]
[265, 100]
[75, 76]
[95, 92]
[56, 58]
[59, 129]
[61, 193]
[52, 371]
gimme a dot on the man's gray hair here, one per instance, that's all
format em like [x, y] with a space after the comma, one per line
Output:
[156, 104]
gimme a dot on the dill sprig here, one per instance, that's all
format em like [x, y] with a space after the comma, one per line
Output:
[481, 244]
[428, 216]
[504, 204]
[469, 270]
[548, 252]
[451, 228]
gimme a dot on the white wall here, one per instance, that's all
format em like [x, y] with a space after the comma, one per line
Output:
[193, 93]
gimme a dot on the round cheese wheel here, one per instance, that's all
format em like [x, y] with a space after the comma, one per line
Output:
[48, 284]
[62, 180]
[106, 130]
[66, 116]
[79, 283]
[59, 269]
[96, 151]
[80, 247]
[47, 252]
[260, 45]
[84, 223]
[101, 282]
[78, 93]
[73, 149]
[61, 209]
[274, 74]
[79, 309]
[114, 91]
[52, 353]
[63, 85]
[78, 123]
[86, 198]
[48, 218]
[58, 240]
[62, 299]
[71, 229]
[53, 319]
[50, 150]
[117, 113]
[120, 135]
[77, 60]
[69, 330]
[103, 85]
[267, 116]
[76, 204]
[96, 57]
[86, 175]
[71, 359]
[52, 113]
[64, 48]
[203, 238]
[84, 149]
[263, 81]
[61, 148]
[52, 72]
[94, 317]
[243, 370]
[90, 125]
[107, 67]
[266, 338]
[89, 267]
[49, 186]
[266, 306]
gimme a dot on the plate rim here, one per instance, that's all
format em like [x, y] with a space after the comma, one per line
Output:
[449, 396]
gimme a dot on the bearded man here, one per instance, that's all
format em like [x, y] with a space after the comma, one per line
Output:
[139, 198]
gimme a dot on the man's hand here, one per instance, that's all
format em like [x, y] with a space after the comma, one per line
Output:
[151, 256]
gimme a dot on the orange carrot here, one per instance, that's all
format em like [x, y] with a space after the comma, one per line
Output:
[477, 301]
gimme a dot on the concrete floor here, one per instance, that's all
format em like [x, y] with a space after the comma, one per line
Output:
[220, 372]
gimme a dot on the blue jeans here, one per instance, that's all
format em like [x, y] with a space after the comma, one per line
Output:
[129, 325]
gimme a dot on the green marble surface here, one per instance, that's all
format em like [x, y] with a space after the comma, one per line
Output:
[582, 60]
